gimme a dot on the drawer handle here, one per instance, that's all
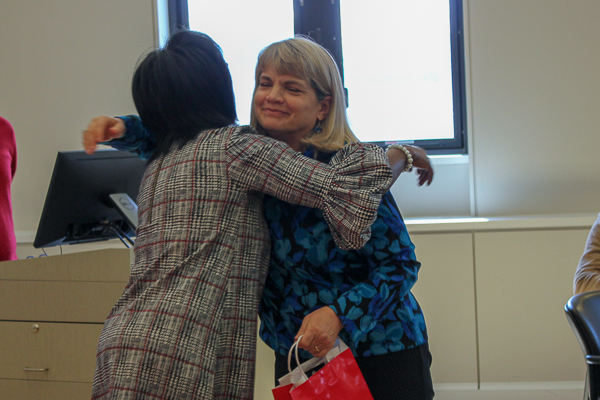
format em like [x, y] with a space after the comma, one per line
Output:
[35, 369]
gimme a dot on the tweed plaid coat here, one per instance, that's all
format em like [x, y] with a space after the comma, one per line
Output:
[185, 326]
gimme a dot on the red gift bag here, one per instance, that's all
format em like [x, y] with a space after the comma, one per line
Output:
[283, 392]
[339, 379]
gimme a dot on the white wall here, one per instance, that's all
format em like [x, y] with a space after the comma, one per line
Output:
[534, 97]
[64, 62]
[534, 92]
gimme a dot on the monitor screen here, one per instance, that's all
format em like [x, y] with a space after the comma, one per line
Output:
[78, 208]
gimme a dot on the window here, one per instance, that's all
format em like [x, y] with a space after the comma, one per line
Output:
[240, 40]
[402, 61]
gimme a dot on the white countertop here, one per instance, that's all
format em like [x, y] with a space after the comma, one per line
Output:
[466, 224]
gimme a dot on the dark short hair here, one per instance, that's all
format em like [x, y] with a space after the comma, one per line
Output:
[183, 89]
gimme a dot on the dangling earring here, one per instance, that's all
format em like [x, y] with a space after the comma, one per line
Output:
[317, 128]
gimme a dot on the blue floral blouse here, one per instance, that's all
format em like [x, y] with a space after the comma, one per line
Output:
[368, 289]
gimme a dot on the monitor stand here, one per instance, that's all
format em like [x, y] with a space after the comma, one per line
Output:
[128, 210]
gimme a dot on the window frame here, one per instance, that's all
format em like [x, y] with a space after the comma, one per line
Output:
[320, 19]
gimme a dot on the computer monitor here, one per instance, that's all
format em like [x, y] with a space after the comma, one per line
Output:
[78, 206]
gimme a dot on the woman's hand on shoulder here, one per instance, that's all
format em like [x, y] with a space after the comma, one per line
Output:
[101, 129]
[422, 164]
[319, 330]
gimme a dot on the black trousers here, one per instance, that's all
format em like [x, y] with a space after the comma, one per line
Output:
[401, 375]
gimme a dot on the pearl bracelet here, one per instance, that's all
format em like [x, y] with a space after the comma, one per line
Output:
[409, 159]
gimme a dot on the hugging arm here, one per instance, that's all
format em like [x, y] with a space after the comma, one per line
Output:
[348, 189]
[127, 133]
[420, 162]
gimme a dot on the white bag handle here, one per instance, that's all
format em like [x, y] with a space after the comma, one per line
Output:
[295, 349]
[298, 376]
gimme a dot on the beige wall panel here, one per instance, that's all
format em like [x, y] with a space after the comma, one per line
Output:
[68, 351]
[524, 280]
[265, 371]
[445, 290]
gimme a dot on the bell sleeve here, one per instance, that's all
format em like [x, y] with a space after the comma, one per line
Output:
[348, 189]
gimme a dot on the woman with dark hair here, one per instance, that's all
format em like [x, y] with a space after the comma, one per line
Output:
[185, 326]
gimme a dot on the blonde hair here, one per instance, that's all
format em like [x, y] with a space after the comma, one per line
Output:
[307, 60]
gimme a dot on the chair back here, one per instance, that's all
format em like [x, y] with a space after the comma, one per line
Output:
[583, 313]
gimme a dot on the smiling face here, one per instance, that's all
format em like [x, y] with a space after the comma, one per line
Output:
[287, 107]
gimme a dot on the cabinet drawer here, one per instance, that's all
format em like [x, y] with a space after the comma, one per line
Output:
[109, 265]
[30, 390]
[58, 301]
[55, 352]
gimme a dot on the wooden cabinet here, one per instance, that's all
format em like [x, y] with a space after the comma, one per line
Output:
[52, 310]
[48, 351]
[37, 390]
[523, 281]
[493, 302]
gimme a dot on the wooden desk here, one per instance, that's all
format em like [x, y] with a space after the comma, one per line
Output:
[52, 310]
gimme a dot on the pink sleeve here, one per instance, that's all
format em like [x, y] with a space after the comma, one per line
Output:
[8, 167]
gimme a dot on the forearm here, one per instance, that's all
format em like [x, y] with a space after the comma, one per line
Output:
[587, 276]
[397, 159]
[136, 139]
[406, 158]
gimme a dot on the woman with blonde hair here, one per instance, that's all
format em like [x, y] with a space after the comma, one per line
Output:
[313, 288]
[300, 58]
